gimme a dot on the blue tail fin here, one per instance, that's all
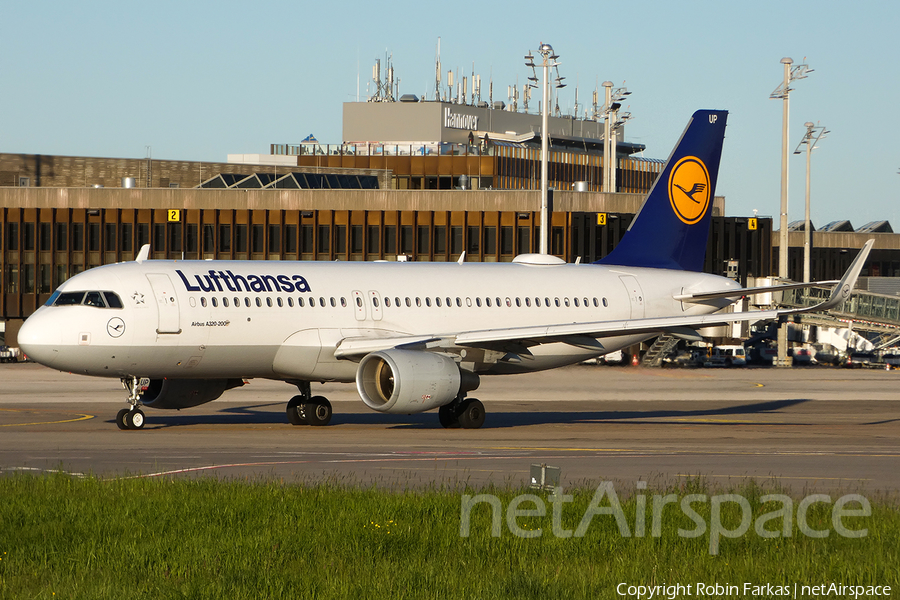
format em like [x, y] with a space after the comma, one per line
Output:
[672, 226]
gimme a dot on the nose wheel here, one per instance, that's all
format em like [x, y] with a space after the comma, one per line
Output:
[130, 418]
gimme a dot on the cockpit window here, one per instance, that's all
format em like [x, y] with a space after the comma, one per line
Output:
[69, 298]
[95, 299]
[113, 300]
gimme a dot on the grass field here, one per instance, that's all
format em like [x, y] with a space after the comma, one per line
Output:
[63, 537]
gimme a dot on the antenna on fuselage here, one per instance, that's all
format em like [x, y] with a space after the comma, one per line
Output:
[144, 254]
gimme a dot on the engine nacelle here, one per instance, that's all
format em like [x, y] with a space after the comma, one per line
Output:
[410, 381]
[185, 393]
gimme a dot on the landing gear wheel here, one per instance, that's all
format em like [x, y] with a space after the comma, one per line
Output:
[471, 415]
[134, 419]
[318, 411]
[448, 416]
[120, 418]
[296, 411]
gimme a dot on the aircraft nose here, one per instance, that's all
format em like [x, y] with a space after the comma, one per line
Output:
[39, 339]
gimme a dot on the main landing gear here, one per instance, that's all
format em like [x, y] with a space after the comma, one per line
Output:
[306, 409]
[467, 413]
[131, 418]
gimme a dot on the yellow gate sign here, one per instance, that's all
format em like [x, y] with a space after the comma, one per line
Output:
[751, 224]
[174, 215]
[601, 218]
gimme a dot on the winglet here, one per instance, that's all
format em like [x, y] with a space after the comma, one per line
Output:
[144, 254]
[842, 290]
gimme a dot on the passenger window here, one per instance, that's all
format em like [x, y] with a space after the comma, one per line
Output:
[566, 302]
[527, 301]
[428, 302]
[487, 301]
[359, 301]
[576, 302]
[387, 301]
[322, 301]
[437, 301]
[343, 302]
[112, 300]
[556, 301]
[280, 302]
[469, 302]
[547, 302]
[374, 301]
[397, 301]
[225, 302]
[334, 302]
[214, 301]
[478, 302]
[269, 302]
[258, 302]
[203, 301]
[585, 302]
[596, 304]
[290, 302]
[246, 301]
[499, 303]
[408, 302]
[508, 302]
[300, 302]
[537, 302]
[519, 302]
[605, 303]
[419, 302]
[94, 299]
[458, 301]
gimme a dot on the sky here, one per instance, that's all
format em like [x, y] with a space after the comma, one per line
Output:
[199, 80]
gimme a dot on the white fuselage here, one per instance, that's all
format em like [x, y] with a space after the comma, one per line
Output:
[283, 320]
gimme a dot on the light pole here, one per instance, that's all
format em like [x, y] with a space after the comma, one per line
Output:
[813, 134]
[546, 52]
[782, 92]
[610, 112]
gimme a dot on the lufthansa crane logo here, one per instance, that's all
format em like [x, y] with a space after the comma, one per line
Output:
[689, 189]
[116, 327]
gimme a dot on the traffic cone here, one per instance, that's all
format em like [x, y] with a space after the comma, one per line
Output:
[634, 361]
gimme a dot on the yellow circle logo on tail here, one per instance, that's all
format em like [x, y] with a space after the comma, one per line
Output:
[689, 189]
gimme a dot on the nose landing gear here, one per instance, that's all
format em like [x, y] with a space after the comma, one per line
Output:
[131, 418]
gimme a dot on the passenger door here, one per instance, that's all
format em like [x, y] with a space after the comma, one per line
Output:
[166, 303]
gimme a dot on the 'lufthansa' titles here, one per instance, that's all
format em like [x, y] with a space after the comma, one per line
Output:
[220, 281]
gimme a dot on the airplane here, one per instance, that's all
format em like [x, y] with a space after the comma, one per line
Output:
[413, 336]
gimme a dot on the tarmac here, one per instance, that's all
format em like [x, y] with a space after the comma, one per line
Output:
[802, 429]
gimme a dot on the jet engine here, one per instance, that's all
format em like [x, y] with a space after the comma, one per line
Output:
[185, 393]
[410, 381]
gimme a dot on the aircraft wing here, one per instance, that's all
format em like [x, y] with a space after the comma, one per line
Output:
[586, 334]
[741, 292]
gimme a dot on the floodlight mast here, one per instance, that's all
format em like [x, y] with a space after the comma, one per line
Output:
[814, 133]
[610, 112]
[782, 92]
[549, 60]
